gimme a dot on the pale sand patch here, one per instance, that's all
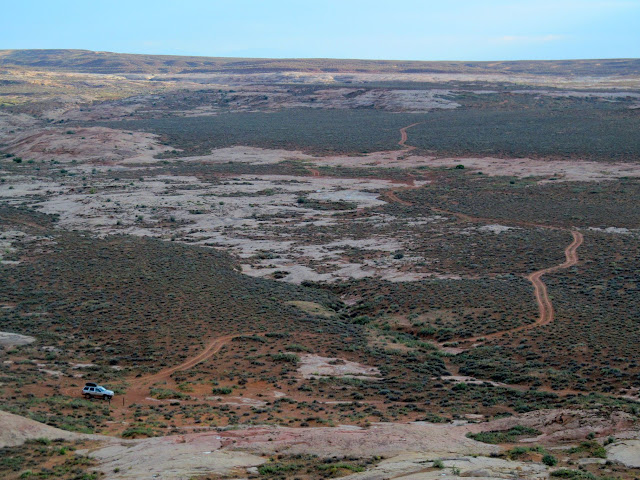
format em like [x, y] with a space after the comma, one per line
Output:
[580, 94]
[495, 228]
[8, 339]
[176, 457]
[560, 170]
[615, 230]
[315, 366]
[472, 380]
[250, 155]
[627, 453]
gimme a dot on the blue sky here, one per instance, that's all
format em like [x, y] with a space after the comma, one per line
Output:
[405, 30]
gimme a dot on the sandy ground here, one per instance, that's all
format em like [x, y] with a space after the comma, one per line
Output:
[315, 366]
[8, 339]
[627, 453]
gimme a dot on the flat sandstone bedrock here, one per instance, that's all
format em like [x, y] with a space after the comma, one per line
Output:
[8, 339]
[626, 452]
[15, 430]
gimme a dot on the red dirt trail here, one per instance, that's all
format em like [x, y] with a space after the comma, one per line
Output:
[404, 137]
[545, 306]
[542, 297]
[142, 385]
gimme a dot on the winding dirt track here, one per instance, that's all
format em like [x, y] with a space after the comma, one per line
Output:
[404, 137]
[542, 297]
[142, 385]
[545, 306]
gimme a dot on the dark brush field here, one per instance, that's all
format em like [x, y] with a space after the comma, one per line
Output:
[510, 125]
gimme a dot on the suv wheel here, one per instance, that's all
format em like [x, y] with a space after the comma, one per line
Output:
[106, 397]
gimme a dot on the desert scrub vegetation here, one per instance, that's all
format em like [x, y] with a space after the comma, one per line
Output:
[597, 309]
[160, 301]
[311, 466]
[589, 448]
[568, 204]
[529, 125]
[317, 131]
[504, 436]
[496, 124]
[73, 414]
[43, 458]
[593, 341]
[441, 310]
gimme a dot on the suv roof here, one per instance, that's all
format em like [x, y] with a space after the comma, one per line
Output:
[90, 384]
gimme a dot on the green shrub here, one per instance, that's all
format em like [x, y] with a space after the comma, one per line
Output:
[285, 357]
[503, 436]
[221, 390]
[138, 431]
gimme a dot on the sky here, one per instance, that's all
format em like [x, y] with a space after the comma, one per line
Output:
[372, 29]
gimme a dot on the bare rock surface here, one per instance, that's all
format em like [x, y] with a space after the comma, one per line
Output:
[314, 366]
[627, 453]
[380, 439]
[97, 144]
[420, 466]
[8, 339]
[15, 430]
[560, 425]
[171, 458]
[225, 451]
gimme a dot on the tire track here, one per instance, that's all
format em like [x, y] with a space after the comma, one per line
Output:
[545, 306]
[404, 137]
[142, 385]
[542, 296]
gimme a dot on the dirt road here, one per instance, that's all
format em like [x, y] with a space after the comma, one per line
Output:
[542, 297]
[391, 195]
[404, 137]
[545, 306]
[142, 385]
